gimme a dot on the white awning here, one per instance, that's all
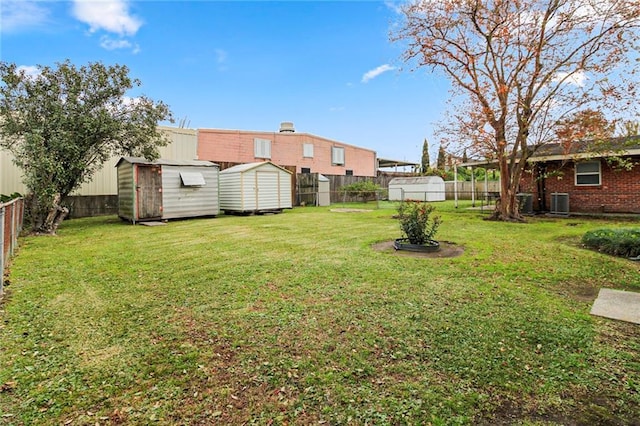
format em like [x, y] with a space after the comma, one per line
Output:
[192, 179]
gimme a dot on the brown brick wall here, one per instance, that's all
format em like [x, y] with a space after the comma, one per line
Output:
[236, 146]
[619, 191]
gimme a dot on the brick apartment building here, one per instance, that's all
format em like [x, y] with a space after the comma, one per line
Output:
[297, 152]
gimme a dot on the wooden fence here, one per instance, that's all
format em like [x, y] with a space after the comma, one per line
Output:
[11, 220]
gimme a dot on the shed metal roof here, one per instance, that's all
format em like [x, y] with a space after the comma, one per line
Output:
[165, 162]
[248, 166]
[416, 180]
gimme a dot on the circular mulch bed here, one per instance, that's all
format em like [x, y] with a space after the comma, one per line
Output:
[447, 249]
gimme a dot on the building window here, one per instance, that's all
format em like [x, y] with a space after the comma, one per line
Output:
[337, 156]
[349, 172]
[307, 150]
[305, 170]
[588, 173]
[262, 148]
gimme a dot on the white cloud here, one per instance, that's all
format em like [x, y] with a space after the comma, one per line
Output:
[108, 15]
[129, 101]
[221, 59]
[17, 15]
[394, 5]
[108, 43]
[577, 79]
[370, 75]
[221, 56]
[30, 70]
[111, 44]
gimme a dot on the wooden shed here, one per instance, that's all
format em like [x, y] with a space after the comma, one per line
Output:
[255, 188]
[423, 188]
[166, 189]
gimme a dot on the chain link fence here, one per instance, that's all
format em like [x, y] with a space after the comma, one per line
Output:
[11, 220]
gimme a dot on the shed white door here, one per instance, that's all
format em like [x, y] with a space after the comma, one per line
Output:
[268, 190]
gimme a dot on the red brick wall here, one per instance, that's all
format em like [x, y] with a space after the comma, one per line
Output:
[619, 191]
[237, 146]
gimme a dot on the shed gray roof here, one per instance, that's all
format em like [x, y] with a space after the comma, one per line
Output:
[416, 180]
[165, 162]
[248, 166]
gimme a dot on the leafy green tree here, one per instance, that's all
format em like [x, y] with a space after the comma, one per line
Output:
[426, 161]
[63, 123]
[442, 158]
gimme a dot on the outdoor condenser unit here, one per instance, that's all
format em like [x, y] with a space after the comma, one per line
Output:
[559, 203]
[525, 202]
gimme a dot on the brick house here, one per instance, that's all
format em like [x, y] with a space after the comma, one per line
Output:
[297, 152]
[583, 178]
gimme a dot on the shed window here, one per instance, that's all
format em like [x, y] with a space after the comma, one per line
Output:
[588, 173]
[262, 148]
[337, 156]
[307, 150]
[192, 179]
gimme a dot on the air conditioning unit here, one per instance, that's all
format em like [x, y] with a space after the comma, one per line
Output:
[559, 203]
[525, 203]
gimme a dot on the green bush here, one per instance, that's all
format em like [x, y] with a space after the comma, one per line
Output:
[617, 242]
[6, 198]
[365, 189]
[416, 221]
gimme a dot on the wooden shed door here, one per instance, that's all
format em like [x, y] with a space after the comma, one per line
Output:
[149, 191]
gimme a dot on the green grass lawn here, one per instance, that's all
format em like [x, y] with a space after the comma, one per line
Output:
[295, 319]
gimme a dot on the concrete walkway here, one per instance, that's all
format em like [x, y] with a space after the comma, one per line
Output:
[617, 304]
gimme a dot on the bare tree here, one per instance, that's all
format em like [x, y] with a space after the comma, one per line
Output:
[519, 66]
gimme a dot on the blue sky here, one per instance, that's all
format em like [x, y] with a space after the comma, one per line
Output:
[328, 67]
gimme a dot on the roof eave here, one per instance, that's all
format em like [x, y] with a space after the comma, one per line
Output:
[583, 155]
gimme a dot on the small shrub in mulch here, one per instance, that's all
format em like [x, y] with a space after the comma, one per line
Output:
[623, 242]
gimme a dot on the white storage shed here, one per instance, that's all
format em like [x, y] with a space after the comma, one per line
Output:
[166, 189]
[255, 188]
[324, 191]
[423, 188]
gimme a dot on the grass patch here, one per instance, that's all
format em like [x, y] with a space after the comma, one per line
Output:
[293, 318]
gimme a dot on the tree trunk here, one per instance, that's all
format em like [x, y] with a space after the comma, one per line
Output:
[57, 213]
[47, 220]
[507, 209]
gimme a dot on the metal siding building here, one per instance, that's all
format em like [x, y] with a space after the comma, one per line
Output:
[183, 145]
[166, 189]
[255, 188]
